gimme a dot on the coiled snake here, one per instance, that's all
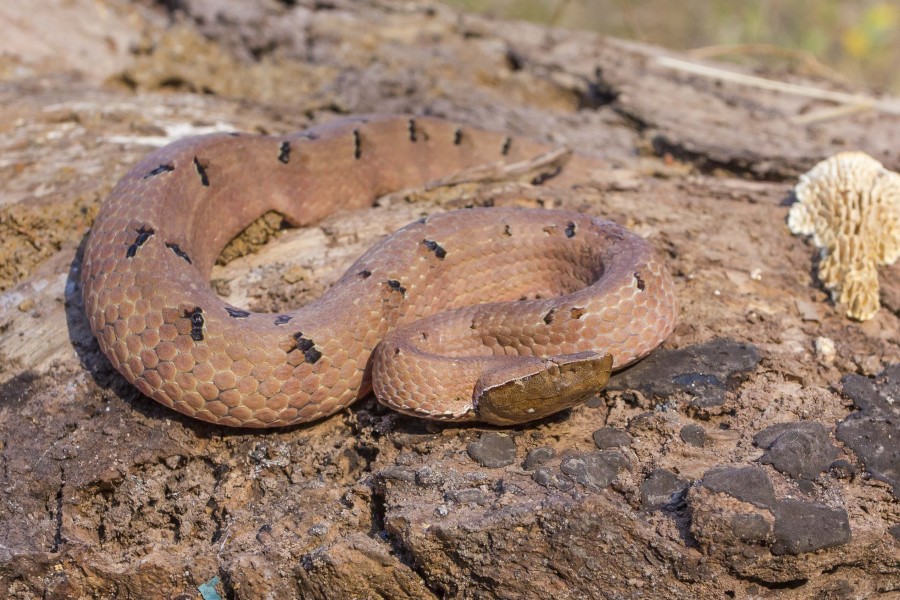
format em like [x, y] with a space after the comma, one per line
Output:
[496, 314]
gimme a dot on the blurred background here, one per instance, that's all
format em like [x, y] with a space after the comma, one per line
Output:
[855, 42]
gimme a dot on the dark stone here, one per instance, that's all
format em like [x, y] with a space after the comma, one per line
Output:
[708, 390]
[705, 371]
[750, 528]
[748, 484]
[610, 437]
[537, 457]
[594, 470]
[468, 496]
[661, 488]
[493, 450]
[693, 434]
[397, 473]
[873, 431]
[807, 526]
[428, 477]
[801, 450]
[894, 530]
[842, 469]
[551, 478]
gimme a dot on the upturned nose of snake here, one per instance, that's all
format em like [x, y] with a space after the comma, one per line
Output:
[501, 315]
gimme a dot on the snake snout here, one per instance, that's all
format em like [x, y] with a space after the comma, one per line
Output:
[525, 391]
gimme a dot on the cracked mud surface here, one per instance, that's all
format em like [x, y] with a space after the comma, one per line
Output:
[735, 461]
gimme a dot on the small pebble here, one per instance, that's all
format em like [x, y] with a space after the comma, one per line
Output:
[537, 457]
[610, 437]
[551, 478]
[750, 528]
[468, 496]
[808, 526]
[26, 305]
[842, 469]
[693, 434]
[493, 450]
[894, 530]
[594, 470]
[428, 477]
[801, 449]
[825, 350]
[748, 484]
[662, 487]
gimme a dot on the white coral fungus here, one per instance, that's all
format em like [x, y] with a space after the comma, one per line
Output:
[850, 204]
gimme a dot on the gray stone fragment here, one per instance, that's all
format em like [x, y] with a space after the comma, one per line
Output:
[493, 450]
[594, 470]
[750, 528]
[397, 473]
[842, 469]
[704, 371]
[537, 457]
[662, 487]
[748, 484]
[610, 437]
[693, 434]
[873, 432]
[894, 530]
[801, 449]
[428, 477]
[551, 478]
[468, 496]
[808, 526]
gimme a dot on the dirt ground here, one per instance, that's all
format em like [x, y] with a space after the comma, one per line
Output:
[741, 460]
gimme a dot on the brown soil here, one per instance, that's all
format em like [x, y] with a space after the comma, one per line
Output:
[672, 483]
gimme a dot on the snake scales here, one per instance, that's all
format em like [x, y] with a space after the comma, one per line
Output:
[500, 315]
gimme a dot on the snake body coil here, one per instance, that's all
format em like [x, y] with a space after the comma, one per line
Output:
[502, 315]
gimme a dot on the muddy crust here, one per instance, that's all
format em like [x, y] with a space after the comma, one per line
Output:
[745, 458]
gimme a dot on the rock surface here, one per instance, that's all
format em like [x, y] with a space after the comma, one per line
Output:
[736, 461]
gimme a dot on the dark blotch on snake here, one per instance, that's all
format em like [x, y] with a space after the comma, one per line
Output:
[357, 145]
[282, 319]
[144, 234]
[201, 171]
[411, 127]
[507, 143]
[365, 273]
[457, 137]
[436, 248]
[303, 343]
[159, 171]
[284, 152]
[395, 285]
[196, 317]
[307, 346]
[178, 251]
[640, 281]
[237, 313]
[548, 318]
[570, 230]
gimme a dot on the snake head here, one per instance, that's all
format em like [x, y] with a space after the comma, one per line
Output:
[507, 395]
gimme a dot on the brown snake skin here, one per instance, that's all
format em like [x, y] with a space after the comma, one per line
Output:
[500, 314]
